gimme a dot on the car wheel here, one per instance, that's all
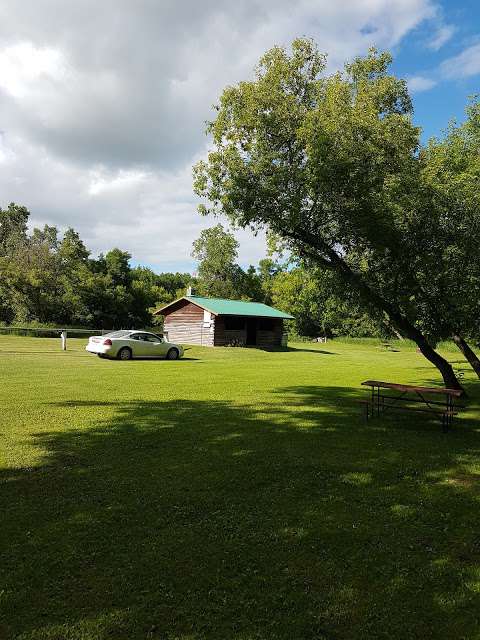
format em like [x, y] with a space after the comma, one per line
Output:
[125, 353]
[172, 354]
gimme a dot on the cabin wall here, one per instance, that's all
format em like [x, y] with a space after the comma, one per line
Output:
[271, 338]
[264, 339]
[187, 323]
[225, 337]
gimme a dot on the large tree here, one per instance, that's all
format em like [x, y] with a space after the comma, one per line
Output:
[451, 171]
[329, 164]
[31, 277]
[13, 227]
[219, 275]
[216, 251]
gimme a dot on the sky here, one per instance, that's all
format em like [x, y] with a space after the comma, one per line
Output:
[103, 104]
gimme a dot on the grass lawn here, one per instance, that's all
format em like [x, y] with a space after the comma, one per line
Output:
[233, 495]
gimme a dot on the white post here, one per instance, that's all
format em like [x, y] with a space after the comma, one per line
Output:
[63, 335]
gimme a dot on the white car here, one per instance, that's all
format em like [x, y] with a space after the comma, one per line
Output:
[126, 345]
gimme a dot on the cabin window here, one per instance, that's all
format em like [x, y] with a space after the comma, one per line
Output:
[234, 323]
[266, 324]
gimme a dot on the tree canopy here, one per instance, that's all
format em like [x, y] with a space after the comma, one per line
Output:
[51, 279]
[332, 165]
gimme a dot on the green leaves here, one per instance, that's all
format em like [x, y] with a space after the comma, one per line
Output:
[219, 275]
[331, 164]
[296, 149]
[45, 278]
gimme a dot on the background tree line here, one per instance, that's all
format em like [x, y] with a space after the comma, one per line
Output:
[46, 278]
[51, 279]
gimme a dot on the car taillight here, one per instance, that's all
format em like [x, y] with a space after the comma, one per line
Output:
[107, 342]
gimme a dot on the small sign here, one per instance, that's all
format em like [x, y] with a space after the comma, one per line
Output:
[207, 319]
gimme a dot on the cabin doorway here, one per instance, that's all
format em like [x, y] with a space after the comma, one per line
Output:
[251, 331]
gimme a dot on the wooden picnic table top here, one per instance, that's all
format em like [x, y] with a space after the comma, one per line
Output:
[408, 387]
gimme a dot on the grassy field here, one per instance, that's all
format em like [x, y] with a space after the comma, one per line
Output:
[233, 495]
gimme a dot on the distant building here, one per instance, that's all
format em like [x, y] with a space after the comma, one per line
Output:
[216, 322]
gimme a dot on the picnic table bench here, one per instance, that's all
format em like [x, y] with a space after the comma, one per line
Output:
[437, 401]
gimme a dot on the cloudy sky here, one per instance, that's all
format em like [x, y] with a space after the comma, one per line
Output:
[103, 104]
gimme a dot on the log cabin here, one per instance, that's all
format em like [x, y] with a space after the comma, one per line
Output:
[217, 322]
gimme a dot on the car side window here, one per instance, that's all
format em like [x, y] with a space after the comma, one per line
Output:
[152, 338]
[136, 336]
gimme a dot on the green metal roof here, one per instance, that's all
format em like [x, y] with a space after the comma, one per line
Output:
[222, 307]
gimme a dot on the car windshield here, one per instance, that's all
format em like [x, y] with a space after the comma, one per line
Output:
[117, 334]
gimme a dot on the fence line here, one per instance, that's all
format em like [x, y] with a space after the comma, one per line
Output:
[64, 331]
[60, 330]
[55, 329]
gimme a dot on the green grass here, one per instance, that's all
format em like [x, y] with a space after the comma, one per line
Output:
[233, 495]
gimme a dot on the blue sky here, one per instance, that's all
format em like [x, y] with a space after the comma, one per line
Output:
[103, 104]
[453, 66]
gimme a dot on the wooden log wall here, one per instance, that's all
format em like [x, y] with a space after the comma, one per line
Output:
[185, 324]
[266, 339]
[224, 337]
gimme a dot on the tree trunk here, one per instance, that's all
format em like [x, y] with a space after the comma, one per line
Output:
[445, 368]
[410, 331]
[468, 352]
[332, 260]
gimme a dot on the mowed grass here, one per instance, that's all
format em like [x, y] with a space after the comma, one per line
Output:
[235, 494]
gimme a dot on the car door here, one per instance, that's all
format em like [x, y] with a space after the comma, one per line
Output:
[155, 346]
[137, 344]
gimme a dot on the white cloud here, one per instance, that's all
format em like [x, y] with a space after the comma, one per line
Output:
[122, 182]
[23, 65]
[420, 83]
[464, 65]
[102, 105]
[151, 214]
[443, 34]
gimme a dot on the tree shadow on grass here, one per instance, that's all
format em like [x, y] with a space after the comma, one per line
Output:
[306, 350]
[204, 520]
[470, 400]
[466, 406]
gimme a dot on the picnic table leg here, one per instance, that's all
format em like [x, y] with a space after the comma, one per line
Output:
[450, 408]
[447, 416]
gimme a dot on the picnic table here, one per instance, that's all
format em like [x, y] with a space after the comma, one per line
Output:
[437, 401]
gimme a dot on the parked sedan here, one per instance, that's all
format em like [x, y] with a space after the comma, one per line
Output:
[126, 345]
